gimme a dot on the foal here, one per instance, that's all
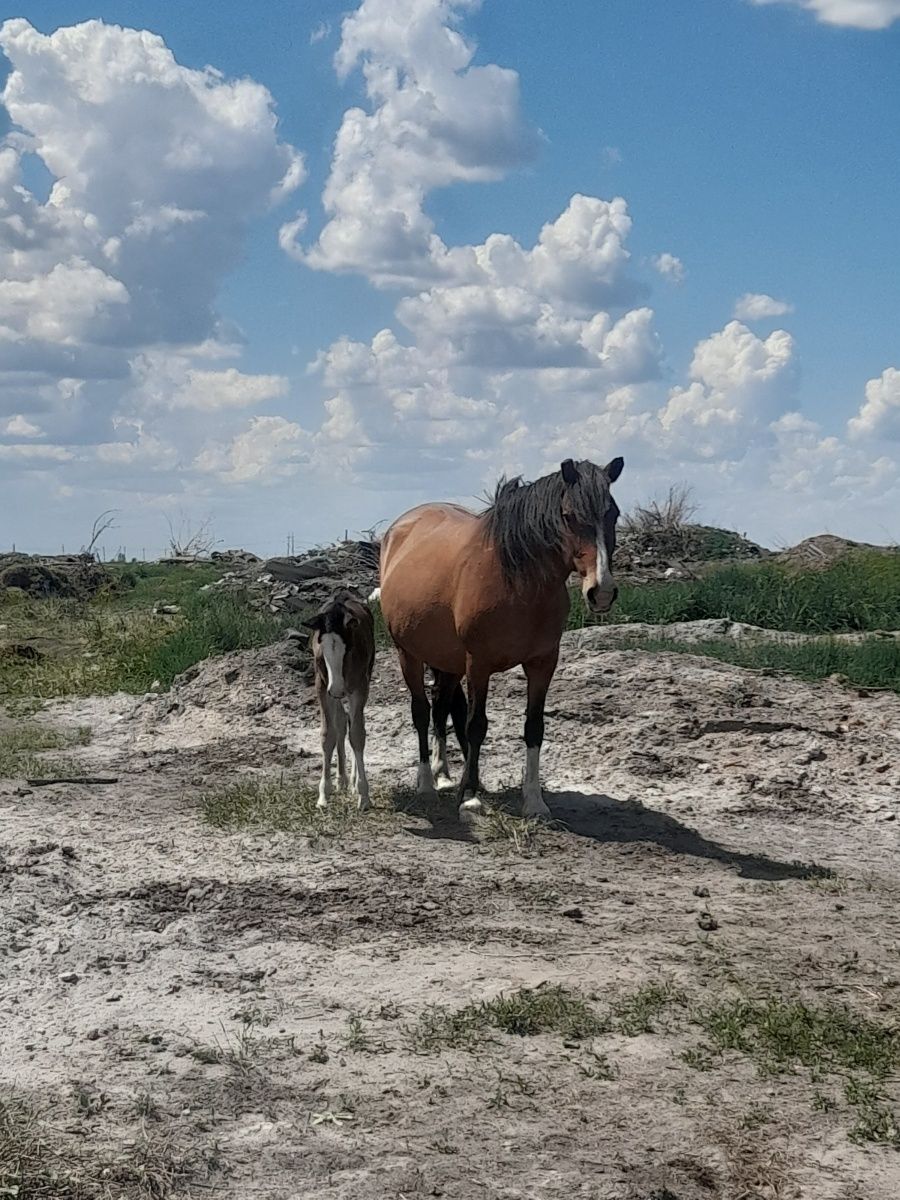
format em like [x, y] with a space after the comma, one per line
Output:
[343, 646]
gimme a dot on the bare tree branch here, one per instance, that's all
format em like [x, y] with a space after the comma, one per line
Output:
[105, 521]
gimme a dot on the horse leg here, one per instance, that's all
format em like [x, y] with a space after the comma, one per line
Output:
[329, 741]
[414, 673]
[539, 673]
[459, 715]
[443, 695]
[340, 728]
[476, 729]
[358, 745]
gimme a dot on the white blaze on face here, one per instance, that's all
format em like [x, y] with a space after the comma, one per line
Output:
[333, 652]
[605, 581]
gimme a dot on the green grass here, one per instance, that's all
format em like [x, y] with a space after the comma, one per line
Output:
[102, 646]
[873, 663]
[857, 593]
[782, 1036]
[638, 1011]
[22, 749]
[523, 1013]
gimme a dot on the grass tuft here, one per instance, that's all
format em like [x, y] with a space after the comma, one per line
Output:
[22, 749]
[282, 804]
[637, 1012]
[524, 1013]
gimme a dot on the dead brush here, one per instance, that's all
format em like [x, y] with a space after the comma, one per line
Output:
[38, 1162]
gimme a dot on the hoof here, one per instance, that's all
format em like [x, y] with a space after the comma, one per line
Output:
[321, 803]
[470, 808]
[443, 783]
[536, 807]
[363, 805]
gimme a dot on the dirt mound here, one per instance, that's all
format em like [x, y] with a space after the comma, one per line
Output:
[298, 583]
[710, 629]
[67, 576]
[229, 689]
[816, 553]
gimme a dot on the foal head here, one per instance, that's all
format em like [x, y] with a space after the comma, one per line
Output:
[337, 625]
[590, 514]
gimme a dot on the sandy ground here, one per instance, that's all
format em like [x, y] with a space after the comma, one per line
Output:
[245, 1003]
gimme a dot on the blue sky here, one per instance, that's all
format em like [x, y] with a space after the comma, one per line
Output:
[755, 143]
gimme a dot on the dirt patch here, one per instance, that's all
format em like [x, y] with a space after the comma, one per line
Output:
[255, 1001]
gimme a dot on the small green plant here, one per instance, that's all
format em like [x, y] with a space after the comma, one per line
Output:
[524, 1013]
[637, 1012]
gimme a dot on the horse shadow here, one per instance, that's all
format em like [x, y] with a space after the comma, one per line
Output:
[602, 819]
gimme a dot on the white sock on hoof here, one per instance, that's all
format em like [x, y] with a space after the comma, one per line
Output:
[532, 798]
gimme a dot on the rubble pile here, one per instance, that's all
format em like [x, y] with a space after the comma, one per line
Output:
[67, 576]
[297, 583]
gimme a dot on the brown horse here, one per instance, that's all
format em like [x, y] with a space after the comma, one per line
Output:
[470, 595]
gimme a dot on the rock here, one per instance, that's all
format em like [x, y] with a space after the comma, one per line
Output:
[68, 977]
[707, 922]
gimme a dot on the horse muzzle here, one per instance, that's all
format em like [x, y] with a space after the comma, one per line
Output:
[600, 601]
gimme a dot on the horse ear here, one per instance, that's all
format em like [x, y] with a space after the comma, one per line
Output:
[614, 469]
[569, 472]
[314, 624]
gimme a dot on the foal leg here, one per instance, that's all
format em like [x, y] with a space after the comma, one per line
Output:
[444, 691]
[414, 673]
[539, 673]
[358, 745]
[329, 740]
[340, 731]
[476, 728]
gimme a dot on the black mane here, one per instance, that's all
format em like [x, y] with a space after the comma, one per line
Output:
[527, 525]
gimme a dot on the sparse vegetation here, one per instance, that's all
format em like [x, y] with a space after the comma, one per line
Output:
[636, 1012]
[108, 645]
[282, 803]
[781, 1036]
[37, 1162]
[21, 745]
[524, 1013]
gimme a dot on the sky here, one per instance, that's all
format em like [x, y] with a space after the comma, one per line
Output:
[292, 276]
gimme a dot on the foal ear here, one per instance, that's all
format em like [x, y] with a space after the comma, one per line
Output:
[314, 623]
[614, 469]
[569, 472]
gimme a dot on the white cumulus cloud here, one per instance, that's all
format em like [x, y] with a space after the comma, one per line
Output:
[879, 415]
[757, 306]
[857, 14]
[670, 267]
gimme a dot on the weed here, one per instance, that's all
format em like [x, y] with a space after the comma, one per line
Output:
[524, 1013]
[21, 745]
[780, 1034]
[636, 1012]
[282, 803]
[358, 1039]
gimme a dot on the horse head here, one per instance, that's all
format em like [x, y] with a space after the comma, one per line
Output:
[590, 514]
